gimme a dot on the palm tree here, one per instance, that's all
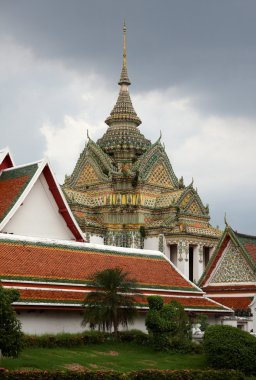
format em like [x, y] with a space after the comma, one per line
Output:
[113, 303]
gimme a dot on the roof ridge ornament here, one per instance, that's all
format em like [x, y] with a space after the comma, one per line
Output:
[225, 220]
[124, 79]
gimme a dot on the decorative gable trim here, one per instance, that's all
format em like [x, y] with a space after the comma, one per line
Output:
[155, 155]
[228, 236]
[93, 154]
[6, 159]
[43, 167]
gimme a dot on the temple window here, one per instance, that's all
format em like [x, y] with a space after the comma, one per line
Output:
[173, 254]
[206, 256]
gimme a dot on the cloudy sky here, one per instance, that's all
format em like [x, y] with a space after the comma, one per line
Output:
[192, 65]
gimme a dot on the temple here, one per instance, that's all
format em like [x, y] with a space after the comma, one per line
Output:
[123, 192]
[230, 276]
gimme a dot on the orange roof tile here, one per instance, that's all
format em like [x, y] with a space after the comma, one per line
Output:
[12, 184]
[251, 249]
[45, 272]
[69, 296]
[56, 262]
[234, 302]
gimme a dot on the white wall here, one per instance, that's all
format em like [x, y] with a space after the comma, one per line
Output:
[39, 216]
[38, 322]
[54, 322]
[151, 243]
[94, 239]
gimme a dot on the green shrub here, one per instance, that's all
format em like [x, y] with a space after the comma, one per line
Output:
[229, 347]
[88, 337]
[135, 336]
[114, 375]
[65, 339]
[168, 325]
[186, 375]
[11, 336]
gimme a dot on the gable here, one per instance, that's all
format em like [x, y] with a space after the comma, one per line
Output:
[39, 215]
[13, 183]
[232, 267]
[194, 208]
[185, 201]
[6, 160]
[191, 203]
[88, 176]
[159, 176]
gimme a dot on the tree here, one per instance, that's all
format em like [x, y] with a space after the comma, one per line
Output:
[10, 328]
[113, 303]
[168, 325]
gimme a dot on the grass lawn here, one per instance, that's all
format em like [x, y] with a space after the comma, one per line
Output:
[117, 356]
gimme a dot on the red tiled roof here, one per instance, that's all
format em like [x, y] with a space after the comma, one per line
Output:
[69, 296]
[46, 273]
[234, 302]
[249, 243]
[57, 262]
[234, 287]
[12, 184]
[251, 249]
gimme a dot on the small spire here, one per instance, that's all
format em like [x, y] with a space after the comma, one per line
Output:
[124, 79]
[225, 220]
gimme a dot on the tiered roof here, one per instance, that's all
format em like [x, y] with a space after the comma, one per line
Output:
[50, 272]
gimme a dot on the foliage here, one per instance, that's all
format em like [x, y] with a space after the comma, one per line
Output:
[168, 325]
[113, 303]
[65, 339]
[230, 347]
[134, 336]
[115, 375]
[10, 327]
[81, 339]
[187, 375]
[201, 319]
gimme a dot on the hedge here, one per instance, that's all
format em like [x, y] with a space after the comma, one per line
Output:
[114, 375]
[80, 339]
[228, 347]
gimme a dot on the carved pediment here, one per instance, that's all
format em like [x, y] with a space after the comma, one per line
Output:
[159, 176]
[88, 176]
[232, 267]
[191, 203]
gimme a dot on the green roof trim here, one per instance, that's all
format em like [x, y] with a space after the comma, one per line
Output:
[82, 249]
[89, 282]
[79, 303]
[23, 171]
[27, 171]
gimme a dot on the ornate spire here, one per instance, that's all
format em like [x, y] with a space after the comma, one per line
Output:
[124, 79]
[123, 110]
[123, 134]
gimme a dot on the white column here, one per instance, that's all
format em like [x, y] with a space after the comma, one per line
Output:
[183, 256]
[198, 263]
[253, 310]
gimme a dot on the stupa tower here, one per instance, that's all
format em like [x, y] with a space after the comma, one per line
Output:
[123, 140]
[124, 192]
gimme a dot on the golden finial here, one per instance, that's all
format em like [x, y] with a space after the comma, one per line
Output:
[124, 75]
[124, 44]
[225, 220]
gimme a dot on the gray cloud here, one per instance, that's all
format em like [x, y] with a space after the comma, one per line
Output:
[193, 61]
[205, 48]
